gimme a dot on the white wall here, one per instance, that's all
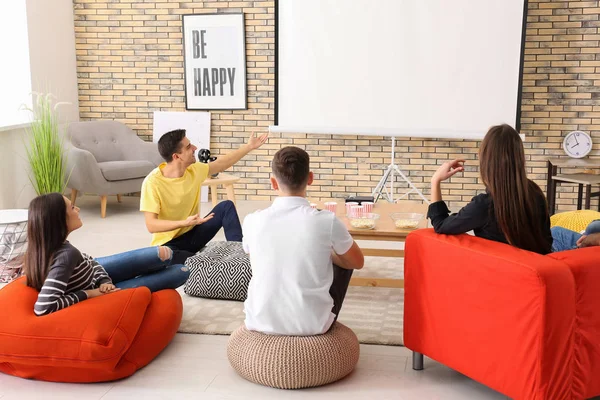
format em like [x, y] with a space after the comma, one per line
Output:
[51, 29]
[53, 68]
[16, 191]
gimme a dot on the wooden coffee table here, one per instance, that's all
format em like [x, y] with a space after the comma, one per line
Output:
[384, 230]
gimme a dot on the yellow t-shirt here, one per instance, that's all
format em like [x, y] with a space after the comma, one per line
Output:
[173, 199]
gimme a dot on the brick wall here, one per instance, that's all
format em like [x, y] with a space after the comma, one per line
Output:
[561, 82]
[130, 63]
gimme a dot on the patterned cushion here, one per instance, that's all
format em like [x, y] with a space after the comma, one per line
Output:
[219, 271]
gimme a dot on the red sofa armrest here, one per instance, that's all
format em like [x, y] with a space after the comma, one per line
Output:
[502, 316]
[584, 265]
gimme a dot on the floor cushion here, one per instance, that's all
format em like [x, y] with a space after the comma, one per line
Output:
[101, 339]
[219, 271]
[293, 362]
[574, 220]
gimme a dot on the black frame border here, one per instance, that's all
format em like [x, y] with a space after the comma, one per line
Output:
[521, 66]
[185, 83]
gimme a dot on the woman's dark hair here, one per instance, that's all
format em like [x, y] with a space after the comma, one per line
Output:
[515, 198]
[46, 232]
[170, 143]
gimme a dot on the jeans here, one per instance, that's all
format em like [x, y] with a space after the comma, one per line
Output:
[191, 242]
[144, 267]
[339, 287]
[566, 239]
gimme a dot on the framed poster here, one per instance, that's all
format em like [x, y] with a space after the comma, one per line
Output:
[214, 56]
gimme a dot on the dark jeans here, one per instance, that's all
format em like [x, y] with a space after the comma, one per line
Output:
[339, 287]
[191, 242]
[143, 267]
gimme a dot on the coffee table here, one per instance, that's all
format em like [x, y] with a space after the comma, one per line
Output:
[384, 230]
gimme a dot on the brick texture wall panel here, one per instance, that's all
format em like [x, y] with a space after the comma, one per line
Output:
[130, 64]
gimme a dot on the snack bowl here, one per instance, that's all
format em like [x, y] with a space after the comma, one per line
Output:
[366, 221]
[406, 221]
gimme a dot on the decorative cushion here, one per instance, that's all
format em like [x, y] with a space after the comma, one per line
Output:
[574, 220]
[220, 271]
[123, 170]
[293, 362]
[100, 339]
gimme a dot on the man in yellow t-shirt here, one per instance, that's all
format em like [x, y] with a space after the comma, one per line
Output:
[171, 193]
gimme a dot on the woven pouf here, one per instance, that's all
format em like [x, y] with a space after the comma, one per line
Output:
[574, 220]
[293, 362]
[219, 271]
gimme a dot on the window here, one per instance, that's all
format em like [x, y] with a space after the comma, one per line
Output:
[15, 74]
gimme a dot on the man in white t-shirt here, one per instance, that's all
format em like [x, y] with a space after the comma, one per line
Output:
[302, 258]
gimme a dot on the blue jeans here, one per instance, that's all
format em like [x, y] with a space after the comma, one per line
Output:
[144, 267]
[566, 239]
[191, 242]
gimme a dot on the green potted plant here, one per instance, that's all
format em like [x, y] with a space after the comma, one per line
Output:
[46, 156]
[45, 151]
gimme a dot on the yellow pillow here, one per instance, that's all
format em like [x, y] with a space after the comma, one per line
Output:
[574, 220]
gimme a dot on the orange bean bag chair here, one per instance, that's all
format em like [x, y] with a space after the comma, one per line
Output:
[100, 339]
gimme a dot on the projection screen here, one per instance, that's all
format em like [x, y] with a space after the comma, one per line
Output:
[404, 68]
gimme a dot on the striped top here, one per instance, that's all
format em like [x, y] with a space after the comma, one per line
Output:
[70, 274]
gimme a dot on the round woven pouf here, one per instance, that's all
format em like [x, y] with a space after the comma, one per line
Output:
[293, 362]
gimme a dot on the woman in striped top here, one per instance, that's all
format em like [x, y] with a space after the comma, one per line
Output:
[64, 276]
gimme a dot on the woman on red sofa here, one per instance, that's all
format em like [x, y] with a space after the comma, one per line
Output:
[64, 276]
[513, 208]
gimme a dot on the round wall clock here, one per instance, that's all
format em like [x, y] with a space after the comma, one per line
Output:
[577, 144]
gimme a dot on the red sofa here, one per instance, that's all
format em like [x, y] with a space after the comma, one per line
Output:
[521, 323]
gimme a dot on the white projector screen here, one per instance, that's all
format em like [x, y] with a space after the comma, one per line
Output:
[410, 68]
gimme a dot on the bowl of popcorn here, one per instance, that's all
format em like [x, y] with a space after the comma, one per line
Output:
[406, 221]
[364, 221]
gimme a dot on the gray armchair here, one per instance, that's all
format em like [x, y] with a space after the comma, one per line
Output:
[107, 158]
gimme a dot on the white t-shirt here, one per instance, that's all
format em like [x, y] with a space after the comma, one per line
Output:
[290, 247]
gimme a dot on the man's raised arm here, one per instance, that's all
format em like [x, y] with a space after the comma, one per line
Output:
[226, 161]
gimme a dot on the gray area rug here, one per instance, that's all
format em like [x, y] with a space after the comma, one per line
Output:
[374, 314]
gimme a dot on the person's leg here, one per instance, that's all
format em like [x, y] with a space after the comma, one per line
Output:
[339, 287]
[181, 246]
[225, 217]
[130, 264]
[179, 255]
[170, 277]
[593, 227]
[563, 239]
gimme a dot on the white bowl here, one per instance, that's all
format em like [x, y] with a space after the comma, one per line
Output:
[366, 221]
[406, 221]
